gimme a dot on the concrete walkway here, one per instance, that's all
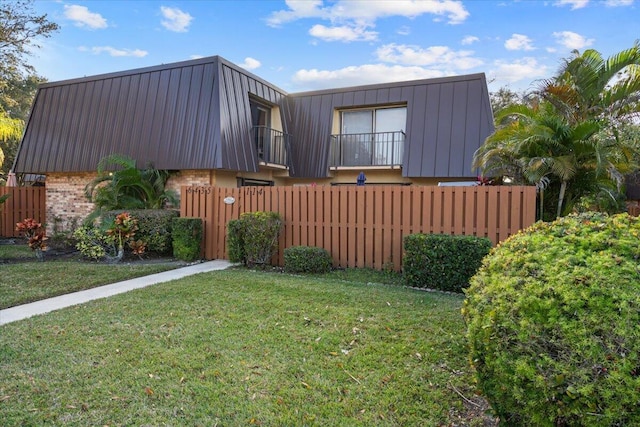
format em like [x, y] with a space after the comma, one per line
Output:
[45, 306]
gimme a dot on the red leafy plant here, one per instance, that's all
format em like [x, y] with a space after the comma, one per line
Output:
[36, 234]
[123, 230]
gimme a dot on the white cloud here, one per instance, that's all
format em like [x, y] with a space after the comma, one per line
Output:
[298, 9]
[342, 33]
[470, 40]
[519, 42]
[81, 17]
[616, 3]
[368, 11]
[112, 51]
[575, 4]
[250, 63]
[196, 56]
[362, 74]
[175, 19]
[434, 56]
[572, 40]
[515, 71]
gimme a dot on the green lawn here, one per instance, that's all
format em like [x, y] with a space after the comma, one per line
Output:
[15, 252]
[238, 347]
[25, 280]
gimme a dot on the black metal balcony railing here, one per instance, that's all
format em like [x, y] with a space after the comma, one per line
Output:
[367, 149]
[273, 146]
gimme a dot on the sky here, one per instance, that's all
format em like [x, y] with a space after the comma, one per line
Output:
[302, 45]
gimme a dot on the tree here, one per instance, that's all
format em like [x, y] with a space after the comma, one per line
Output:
[20, 30]
[16, 97]
[10, 130]
[121, 185]
[533, 145]
[588, 86]
[17, 93]
[571, 140]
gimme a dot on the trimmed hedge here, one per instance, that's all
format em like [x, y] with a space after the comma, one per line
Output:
[442, 262]
[253, 239]
[307, 259]
[154, 227]
[553, 323]
[235, 243]
[187, 238]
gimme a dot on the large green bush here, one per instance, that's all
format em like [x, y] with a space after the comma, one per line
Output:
[307, 259]
[253, 239]
[154, 227]
[553, 319]
[441, 261]
[187, 238]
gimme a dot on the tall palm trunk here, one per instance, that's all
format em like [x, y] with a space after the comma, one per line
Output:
[563, 188]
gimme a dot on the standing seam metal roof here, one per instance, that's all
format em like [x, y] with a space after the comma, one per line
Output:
[196, 115]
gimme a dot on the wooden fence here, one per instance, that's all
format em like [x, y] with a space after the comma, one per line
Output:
[362, 226]
[24, 202]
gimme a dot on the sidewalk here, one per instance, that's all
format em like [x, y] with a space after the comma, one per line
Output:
[45, 306]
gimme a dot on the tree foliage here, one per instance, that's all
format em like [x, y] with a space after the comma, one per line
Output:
[121, 185]
[572, 138]
[20, 31]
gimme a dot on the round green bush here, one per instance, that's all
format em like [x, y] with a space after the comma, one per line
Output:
[307, 259]
[553, 322]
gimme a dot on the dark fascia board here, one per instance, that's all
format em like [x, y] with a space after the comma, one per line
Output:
[436, 80]
[206, 60]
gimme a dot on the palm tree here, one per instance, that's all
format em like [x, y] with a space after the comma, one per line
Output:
[571, 139]
[121, 185]
[590, 87]
[534, 146]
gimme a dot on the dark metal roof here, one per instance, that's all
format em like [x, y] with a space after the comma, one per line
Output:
[196, 115]
[186, 115]
[447, 120]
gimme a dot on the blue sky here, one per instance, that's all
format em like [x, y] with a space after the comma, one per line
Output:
[308, 44]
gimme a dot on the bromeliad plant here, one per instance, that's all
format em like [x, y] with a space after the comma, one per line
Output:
[33, 231]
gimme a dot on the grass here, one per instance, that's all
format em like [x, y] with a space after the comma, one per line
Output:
[238, 347]
[25, 282]
[15, 252]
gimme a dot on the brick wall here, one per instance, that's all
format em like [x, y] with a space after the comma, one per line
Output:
[188, 177]
[66, 202]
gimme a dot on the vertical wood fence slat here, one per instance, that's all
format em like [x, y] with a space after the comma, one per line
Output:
[363, 226]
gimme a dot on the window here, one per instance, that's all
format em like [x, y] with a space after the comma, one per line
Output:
[373, 136]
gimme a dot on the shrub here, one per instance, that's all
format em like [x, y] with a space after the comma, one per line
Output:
[92, 242]
[442, 262]
[306, 259]
[154, 227]
[255, 237]
[35, 234]
[235, 244]
[109, 239]
[552, 321]
[187, 238]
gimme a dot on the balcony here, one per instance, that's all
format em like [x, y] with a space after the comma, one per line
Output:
[367, 149]
[273, 146]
